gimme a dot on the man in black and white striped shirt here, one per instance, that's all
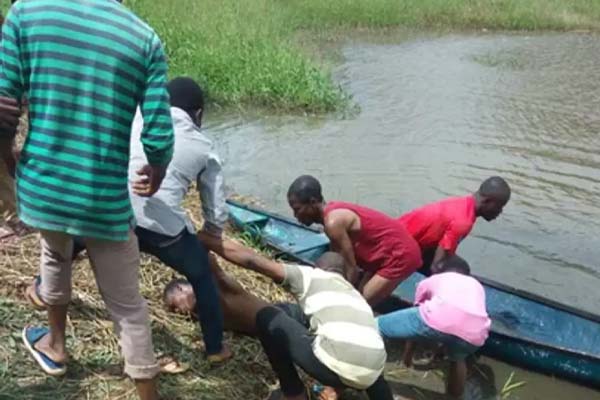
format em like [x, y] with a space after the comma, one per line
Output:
[331, 334]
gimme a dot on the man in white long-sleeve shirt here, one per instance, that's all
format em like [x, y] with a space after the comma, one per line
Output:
[163, 227]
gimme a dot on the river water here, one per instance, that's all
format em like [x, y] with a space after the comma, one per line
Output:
[438, 114]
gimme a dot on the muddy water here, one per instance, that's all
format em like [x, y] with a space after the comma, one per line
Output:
[439, 113]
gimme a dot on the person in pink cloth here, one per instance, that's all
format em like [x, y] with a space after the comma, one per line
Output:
[449, 309]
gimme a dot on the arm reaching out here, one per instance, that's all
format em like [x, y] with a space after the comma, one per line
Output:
[337, 227]
[440, 255]
[243, 256]
[449, 243]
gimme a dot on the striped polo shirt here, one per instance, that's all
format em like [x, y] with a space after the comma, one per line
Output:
[84, 65]
[347, 338]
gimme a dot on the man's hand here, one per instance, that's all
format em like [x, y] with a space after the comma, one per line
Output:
[151, 176]
[353, 276]
[10, 112]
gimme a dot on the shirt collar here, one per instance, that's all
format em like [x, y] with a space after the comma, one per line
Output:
[182, 119]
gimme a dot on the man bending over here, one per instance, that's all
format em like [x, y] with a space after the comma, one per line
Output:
[366, 238]
[440, 227]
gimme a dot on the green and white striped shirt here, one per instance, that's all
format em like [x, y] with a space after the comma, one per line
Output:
[347, 338]
[84, 65]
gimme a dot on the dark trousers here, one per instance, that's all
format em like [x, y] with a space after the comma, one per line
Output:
[287, 342]
[186, 255]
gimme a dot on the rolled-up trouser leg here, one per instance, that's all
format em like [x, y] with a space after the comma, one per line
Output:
[116, 266]
[55, 267]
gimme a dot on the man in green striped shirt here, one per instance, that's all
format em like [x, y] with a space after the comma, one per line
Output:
[85, 66]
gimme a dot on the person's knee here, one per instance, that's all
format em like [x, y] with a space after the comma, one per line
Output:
[125, 301]
[265, 319]
[197, 267]
[198, 277]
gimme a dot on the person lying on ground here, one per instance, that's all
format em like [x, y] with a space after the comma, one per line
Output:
[163, 227]
[366, 238]
[239, 306]
[440, 227]
[332, 336]
[449, 309]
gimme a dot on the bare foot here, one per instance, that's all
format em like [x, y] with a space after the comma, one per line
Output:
[221, 357]
[329, 393]
[58, 355]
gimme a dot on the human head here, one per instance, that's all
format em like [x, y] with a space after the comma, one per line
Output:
[178, 296]
[331, 262]
[187, 95]
[492, 196]
[306, 200]
[452, 263]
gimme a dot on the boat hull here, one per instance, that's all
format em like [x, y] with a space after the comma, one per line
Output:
[527, 330]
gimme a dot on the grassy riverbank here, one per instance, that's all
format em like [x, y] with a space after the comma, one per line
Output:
[247, 53]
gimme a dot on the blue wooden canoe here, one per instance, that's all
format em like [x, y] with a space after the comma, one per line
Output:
[527, 330]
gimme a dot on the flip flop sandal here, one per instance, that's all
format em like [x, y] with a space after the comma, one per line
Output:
[31, 335]
[33, 295]
[170, 365]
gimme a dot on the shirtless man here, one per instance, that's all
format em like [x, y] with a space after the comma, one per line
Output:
[331, 333]
[440, 227]
[239, 306]
[366, 238]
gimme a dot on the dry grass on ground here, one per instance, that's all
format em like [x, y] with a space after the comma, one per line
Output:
[95, 368]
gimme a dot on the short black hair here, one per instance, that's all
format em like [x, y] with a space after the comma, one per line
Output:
[495, 187]
[455, 263]
[304, 188]
[332, 262]
[185, 93]
[170, 287]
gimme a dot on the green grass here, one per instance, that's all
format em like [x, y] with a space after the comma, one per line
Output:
[277, 54]
[248, 53]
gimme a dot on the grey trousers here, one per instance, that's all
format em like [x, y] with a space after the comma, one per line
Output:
[116, 268]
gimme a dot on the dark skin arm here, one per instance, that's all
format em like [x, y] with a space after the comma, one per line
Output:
[243, 256]
[10, 112]
[338, 226]
[440, 255]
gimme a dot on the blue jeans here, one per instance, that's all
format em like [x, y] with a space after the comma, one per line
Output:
[408, 324]
[186, 255]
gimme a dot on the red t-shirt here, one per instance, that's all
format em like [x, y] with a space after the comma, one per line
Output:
[383, 245]
[444, 223]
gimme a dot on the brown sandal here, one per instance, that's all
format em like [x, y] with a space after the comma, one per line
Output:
[169, 365]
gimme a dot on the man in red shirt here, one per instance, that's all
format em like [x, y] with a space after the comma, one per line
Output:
[440, 227]
[369, 239]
